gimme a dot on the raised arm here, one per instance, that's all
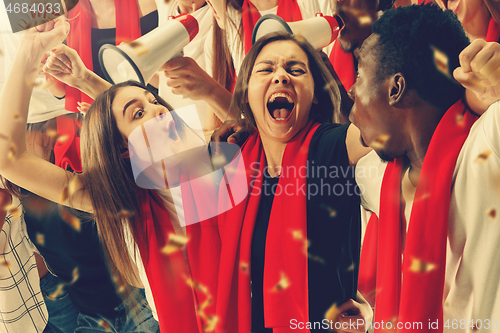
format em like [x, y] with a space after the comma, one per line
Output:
[16, 163]
[65, 64]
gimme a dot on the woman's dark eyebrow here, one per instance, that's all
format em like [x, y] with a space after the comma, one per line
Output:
[146, 92]
[267, 62]
[295, 62]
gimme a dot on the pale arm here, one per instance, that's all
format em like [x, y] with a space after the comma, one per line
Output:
[16, 164]
[355, 149]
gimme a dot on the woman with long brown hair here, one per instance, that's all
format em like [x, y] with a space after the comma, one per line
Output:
[107, 186]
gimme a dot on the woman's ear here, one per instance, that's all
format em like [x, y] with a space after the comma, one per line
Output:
[125, 153]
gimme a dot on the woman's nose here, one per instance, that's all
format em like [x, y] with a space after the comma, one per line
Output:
[281, 76]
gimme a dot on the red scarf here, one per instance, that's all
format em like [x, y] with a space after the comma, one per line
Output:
[67, 151]
[167, 274]
[288, 10]
[412, 291]
[343, 63]
[283, 254]
[493, 33]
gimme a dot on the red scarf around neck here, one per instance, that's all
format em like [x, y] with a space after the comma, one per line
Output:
[67, 151]
[288, 10]
[285, 256]
[412, 291]
[167, 275]
[343, 63]
[493, 33]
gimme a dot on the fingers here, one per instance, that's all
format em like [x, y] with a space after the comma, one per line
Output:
[83, 107]
[471, 80]
[482, 58]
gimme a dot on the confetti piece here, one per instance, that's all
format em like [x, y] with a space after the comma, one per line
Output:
[63, 138]
[423, 196]
[211, 323]
[297, 234]
[205, 304]
[104, 324]
[71, 219]
[244, 267]
[13, 209]
[51, 133]
[6, 264]
[332, 313]
[59, 291]
[351, 268]
[420, 266]
[175, 243]
[40, 239]
[139, 48]
[120, 285]
[76, 275]
[365, 20]
[283, 284]
[481, 158]
[16, 115]
[441, 61]
[196, 285]
[379, 142]
[219, 160]
[12, 152]
[73, 186]
[492, 213]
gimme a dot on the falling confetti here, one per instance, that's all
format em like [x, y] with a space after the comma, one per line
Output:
[63, 138]
[481, 158]
[197, 286]
[51, 133]
[40, 239]
[244, 267]
[104, 324]
[175, 243]
[351, 268]
[12, 152]
[423, 196]
[283, 284]
[205, 304]
[13, 209]
[379, 142]
[6, 264]
[365, 20]
[332, 313]
[16, 115]
[492, 213]
[71, 219]
[297, 234]
[420, 266]
[441, 61]
[219, 160]
[73, 186]
[211, 323]
[139, 48]
[59, 291]
[76, 275]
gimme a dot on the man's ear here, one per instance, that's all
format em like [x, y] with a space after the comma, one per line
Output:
[397, 89]
[124, 149]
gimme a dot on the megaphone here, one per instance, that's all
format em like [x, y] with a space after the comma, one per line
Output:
[319, 31]
[138, 60]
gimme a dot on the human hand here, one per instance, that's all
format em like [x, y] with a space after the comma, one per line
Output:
[231, 131]
[188, 79]
[351, 316]
[45, 36]
[479, 71]
[65, 64]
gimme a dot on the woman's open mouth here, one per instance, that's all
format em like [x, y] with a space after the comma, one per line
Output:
[172, 131]
[280, 106]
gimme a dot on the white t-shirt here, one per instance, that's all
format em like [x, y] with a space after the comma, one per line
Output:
[195, 49]
[472, 277]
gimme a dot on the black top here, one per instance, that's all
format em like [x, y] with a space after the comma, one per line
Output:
[333, 228]
[99, 37]
[64, 249]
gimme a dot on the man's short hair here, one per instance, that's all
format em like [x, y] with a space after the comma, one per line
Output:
[412, 41]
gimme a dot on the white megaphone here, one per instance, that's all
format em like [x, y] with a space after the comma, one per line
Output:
[138, 60]
[319, 31]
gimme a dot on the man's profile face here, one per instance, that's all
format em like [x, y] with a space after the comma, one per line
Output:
[358, 17]
[380, 124]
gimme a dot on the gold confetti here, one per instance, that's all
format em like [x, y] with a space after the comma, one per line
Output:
[332, 313]
[481, 158]
[175, 243]
[13, 209]
[59, 291]
[460, 120]
[12, 152]
[40, 239]
[365, 20]
[197, 286]
[16, 115]
[71, 219]
[120, 285]
[211, 323]
[205, 304]
[5, 263]
[73, 186]
[76, 275]
[283, 284]
[244, 267]
[379, 142]
[420, 266]
[492, 213]
[51, 133]
[332, 212]
[297, 234]
[441, 61]
[139, 48]
[63, 138]
[219, 160]
[351, 268]
[423, 196]
[104, 324]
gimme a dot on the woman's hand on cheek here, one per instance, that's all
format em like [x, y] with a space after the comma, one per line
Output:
[188, 79]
